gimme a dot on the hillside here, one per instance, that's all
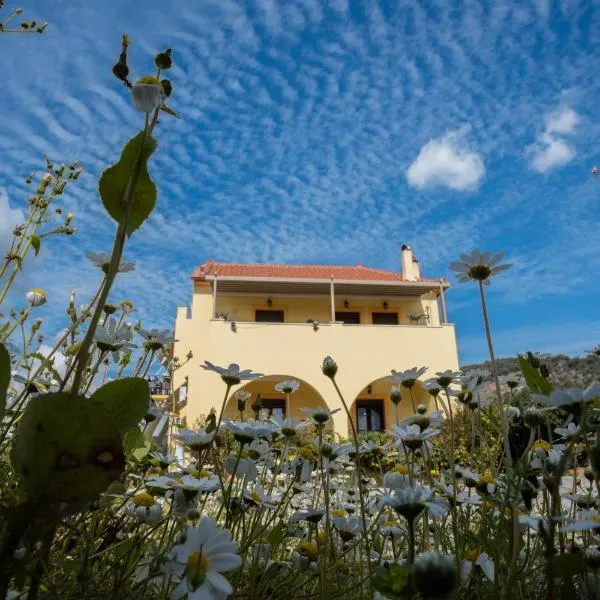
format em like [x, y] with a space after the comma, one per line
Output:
[565, 371]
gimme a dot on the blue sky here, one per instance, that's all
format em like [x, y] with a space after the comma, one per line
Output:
[328, 131]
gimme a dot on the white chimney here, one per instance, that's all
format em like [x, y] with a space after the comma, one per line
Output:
[410, 265]
[416, 268]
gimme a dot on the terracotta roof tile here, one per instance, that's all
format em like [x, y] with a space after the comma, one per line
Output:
[358, 272]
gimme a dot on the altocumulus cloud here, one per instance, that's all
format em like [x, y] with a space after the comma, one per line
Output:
[447, 161]
[551, 150]
[9, 217]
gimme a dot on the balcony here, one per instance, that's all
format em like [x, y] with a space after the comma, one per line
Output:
[285, 347]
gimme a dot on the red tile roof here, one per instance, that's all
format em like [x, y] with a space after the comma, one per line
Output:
[358, 272]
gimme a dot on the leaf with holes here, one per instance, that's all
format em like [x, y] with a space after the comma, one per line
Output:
[66, 449]
[137, 445]
[127, 400]
[117, 183]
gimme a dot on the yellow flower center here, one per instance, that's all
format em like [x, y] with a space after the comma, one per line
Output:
[143, 499]
[321, 537]
[541, 444]
[338, 512]
[307, 549]
[402, 469]
[473, 554]
[197, 566]
[434, 473]
[256, 497]
[307, 454]
[202, 474]
[487, 477]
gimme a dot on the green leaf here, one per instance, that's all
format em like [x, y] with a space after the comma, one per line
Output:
[136, 445]
[277, 534]
[127, 400]
[566, 566]
[114, 181]
[391, 581]
[4, 377]
[169, 111]
[66, 449]
[536, 382]
[35, 242]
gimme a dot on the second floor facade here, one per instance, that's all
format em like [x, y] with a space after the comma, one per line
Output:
[281, 320]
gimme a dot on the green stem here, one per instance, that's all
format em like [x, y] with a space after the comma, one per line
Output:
[359, 484]
[113, 267]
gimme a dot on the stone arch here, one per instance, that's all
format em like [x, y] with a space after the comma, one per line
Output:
[306, 396]
[373, 402]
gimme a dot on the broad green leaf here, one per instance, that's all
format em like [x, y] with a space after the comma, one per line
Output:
[35, 242]
[276, 534]
[115, 180]
[67, 449]
[535, 381]
[566, 566]
[137, 445]
[127, 400]
[4, 377]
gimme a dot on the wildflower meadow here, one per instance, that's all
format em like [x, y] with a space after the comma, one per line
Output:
[494, 494]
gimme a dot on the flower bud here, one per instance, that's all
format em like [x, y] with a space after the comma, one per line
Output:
[421, 409]
[595, 458]
[163, 60]
[147, 94]
[434, 575]
[36, 297]
[395, 395]
[533, 417]
[329, 367]
[167, 87]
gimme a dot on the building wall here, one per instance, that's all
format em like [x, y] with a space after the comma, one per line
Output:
[364, 353]
[301, 309]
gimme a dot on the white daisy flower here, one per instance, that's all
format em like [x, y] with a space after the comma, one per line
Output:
[200, 560]
[231, 375]
[569, 396]
[478, 266]
[288, 386]
[320, 414]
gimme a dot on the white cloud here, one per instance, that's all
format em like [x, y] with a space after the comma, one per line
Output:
[447, 161]
[9, 217]
[551, 150]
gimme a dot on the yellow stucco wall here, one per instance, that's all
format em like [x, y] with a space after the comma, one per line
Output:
[364, 353]
[301, 309]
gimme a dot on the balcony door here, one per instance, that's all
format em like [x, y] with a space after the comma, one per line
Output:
[384, 318]
[268, 316]
[347, 317]
[275, 407]
[369, 415]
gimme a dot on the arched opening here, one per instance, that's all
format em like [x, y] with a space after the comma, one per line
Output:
[276, 402]
[373, 410]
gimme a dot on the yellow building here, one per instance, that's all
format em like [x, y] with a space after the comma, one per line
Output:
[282, 320]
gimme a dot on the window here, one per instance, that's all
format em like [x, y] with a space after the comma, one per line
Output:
[385, 318]
[275, 407]
[369, 415]
[268, 316]
[349, 318]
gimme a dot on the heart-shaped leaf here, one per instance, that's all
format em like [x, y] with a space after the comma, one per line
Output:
[67, 449]
[136, 445]
[128, 180]
[127, 400]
